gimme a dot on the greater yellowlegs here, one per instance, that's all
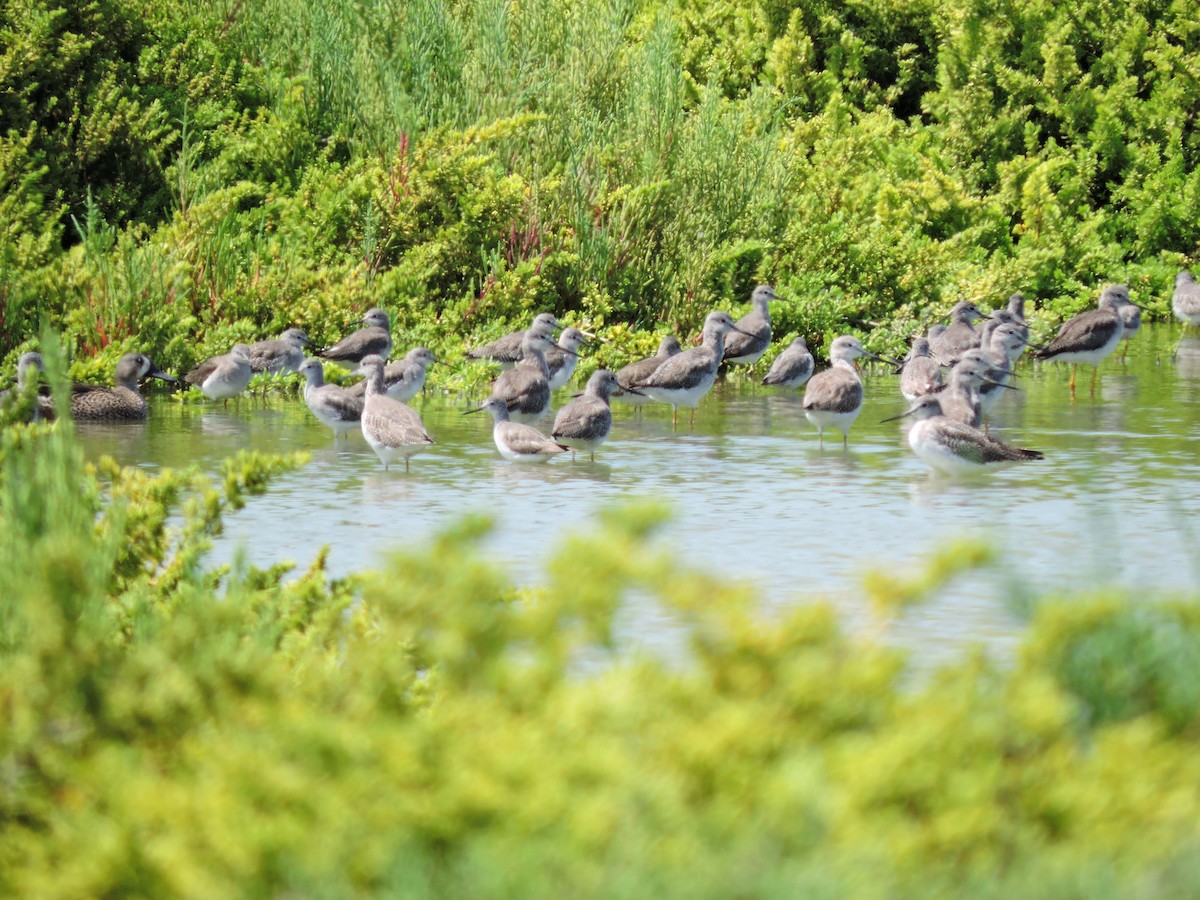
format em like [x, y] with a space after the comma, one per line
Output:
[584, 423]
[1005, 346]
[515, 440]
[507, 349]
[561, 358]
[792, 367]
[122, 402]
[1131, 322]
[920, 374]
[393, 429]
[334, 406]
[403, 378]
[643, 368]
[833, 398]
[525, 389]
[282, 354]
[687, 376]
[747, 345]
[222, 377]
[1014, 313]
[953, 447]
[1014, 339]
[1091, 336]
[961, 336]
[1016, 306]
[30, 367]
[373, 340]
[1185, 303]
[960, 398]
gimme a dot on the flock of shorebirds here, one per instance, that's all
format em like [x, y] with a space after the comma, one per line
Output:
[952, 378]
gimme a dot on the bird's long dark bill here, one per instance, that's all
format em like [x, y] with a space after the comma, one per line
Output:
[629, 390]
[164, 376]
[998, 384]
[902, 415]
[473, 409]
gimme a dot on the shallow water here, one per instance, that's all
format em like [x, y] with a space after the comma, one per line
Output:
[754, 497]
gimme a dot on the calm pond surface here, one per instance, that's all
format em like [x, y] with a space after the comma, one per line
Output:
[754, 498]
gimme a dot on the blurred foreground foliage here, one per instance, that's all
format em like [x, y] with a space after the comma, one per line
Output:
[178, 176]
[170, 729]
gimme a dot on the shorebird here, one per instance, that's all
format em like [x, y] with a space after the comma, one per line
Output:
[1005, 346]
[1015, 313]
[1131, 321]
[392, 429]
[507, 350]
[561, 358]
[753, 336]
[282, 354]
[30, 366]
[516, 441]
[334, 406]
[222, 377]
[1016, 306]
[1185, 303]
[949, 345]
[953, 447]
[643, 368]
[525, 389]
[792, 367]
[403, 378]
[920, 373]
[1091, 336]
[687, 376]
[833, 398]
[122, 402]
[960, 399]
[373, 340]
[584, 423]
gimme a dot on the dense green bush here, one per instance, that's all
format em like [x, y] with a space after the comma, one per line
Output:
[229, 169]
[172, 729]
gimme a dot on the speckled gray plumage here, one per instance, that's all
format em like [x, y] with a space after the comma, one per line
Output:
[373, 340]
[792, 367]
[525, 390]
[562, 358]
[282, 354]
[334, 406]
[393, 429]
[750, 342]
[585, 422]
[641, 369]
[949, 345]
[507, 349]
[920, 373]
[403, 378]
